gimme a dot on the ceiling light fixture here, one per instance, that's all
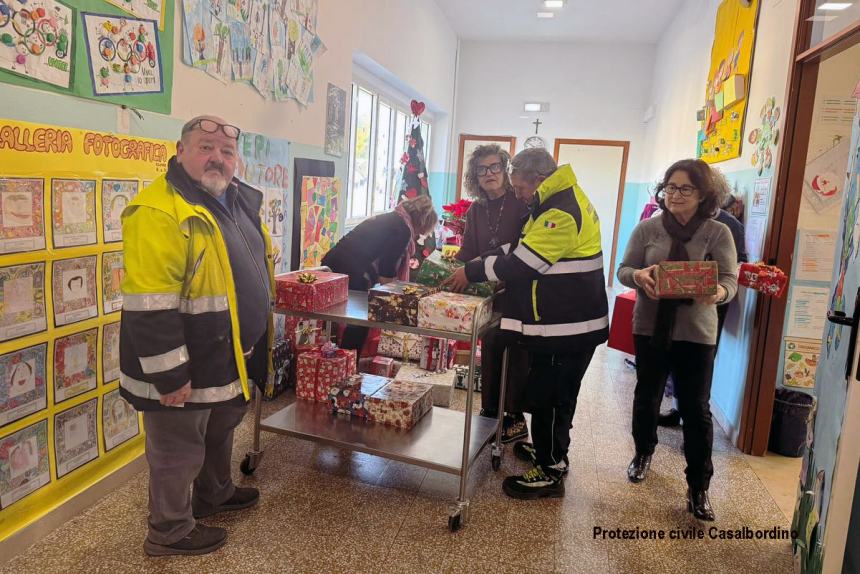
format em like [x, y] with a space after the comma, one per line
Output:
[551, 4]
[835, 6]
[546, 14]
[821, 18]
[536, 107]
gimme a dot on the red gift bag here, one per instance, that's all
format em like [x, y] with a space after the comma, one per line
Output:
[621, 329]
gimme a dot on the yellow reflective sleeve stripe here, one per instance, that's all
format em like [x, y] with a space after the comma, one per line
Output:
[150, 301]
[165, 361]
[144, 390]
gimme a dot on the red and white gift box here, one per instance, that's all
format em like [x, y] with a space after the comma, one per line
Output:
[310, 290]
[442, 383]
[349, 396]
[686, 279]
[399, 404]
[316, 373]
[382, 366]
[767, 279]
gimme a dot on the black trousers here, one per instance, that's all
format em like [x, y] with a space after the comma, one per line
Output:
[493, 345]
[692, 368]
[552, 391]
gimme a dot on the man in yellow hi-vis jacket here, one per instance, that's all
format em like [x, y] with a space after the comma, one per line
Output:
[196, 326]
[555, 306]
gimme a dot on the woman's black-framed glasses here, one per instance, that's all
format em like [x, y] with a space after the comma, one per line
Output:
[211, 127]
[483, 170]
[684, 190]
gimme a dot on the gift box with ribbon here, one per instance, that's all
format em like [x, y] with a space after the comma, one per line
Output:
[438, 267]
[317, 372]
[310, 290]
[766, 279]
[686, 279]
[442, 383]
[401, 346]
[396, 302]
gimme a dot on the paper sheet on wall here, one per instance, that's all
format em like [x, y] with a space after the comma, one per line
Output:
[761, 197]
[808, 311]
[21, 214]
[824, 178]
[754, 235]
[816, 252]
[801, 360]
[38, 41]
[144, 9]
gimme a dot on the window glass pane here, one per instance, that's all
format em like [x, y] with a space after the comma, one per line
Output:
[400, 126]
[383, 163]
[361, 170]
[830, 18]
[425, 135]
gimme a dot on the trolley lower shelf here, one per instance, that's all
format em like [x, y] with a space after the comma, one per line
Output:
[432, 443]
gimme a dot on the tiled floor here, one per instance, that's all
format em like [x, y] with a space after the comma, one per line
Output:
[325, 510]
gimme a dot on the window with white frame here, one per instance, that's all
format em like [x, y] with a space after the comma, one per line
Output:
[379, 134]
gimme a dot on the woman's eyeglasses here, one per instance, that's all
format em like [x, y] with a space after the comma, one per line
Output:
[483, 170]
[211, 127]
[684, 190]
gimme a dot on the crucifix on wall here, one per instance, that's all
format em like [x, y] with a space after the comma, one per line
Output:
[535, 140]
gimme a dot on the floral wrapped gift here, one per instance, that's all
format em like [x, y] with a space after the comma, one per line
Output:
[437, 267]
[310, 290]
[401, 346]
[442, 383]
[396, 302]
[316, 373]
[452, 312]
[382, 366]
[766, 279]
[399, 404]
[686, 279]
[349, 396]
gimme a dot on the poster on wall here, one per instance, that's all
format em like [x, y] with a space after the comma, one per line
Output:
[143, 9]
[816, 250]
[24, 463]
[120, 422]
[801, 360]
[112, 274]
[74, 364]
[123, 54]
[21, 216]
[110, 353]
[273, 207]
[37, 40]
[116, 195]
[75, 437]
[319, 217]
[760, 203]
[23, 389]
[73, 212]
[721, 119]
[335, 121]
[22, 293]
[824, 178]
[73, 286]
[808, 311]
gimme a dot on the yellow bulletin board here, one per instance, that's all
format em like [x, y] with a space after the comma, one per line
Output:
[63, 426]
[721, 120]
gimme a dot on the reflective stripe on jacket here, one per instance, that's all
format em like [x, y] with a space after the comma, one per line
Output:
[179, 318]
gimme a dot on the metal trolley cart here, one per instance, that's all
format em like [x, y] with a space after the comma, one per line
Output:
[427, 444]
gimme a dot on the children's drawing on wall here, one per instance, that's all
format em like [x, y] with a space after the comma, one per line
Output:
[335, 121]
[113, 271]
[319, 217]
[24, 463]
[110, 353]
[120, 422]
[143, 9]
[21, 214]
[73, 212]
[824, 178]
[766, 136]
[116, 195]
[75, 437]
[73, 286]
[36, 39]
[23, 390]
[74, 364]
[123, 54]
[22, 300]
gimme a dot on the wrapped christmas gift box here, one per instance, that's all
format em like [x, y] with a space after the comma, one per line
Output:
[399, 404]
[461, 373]
[317, 373]
[382, 366]
[436, 354]
[310, 290]
[452, 312]
[686, 279]
[400, 346]
[767, 279]
[396, 302]
[437, 267]
[442, 382]
[349, 396]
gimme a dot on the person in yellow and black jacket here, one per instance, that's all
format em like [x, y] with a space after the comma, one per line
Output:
[196, 327]
[555, 302]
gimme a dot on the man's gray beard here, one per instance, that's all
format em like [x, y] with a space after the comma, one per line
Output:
[216, 187]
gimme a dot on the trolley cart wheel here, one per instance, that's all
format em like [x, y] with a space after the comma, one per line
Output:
[455, 522]
[250, 462]
[496, 462]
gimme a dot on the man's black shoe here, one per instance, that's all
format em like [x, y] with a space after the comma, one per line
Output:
[638, 469]
[242, 498]
[202, 540]
[670, 419]
[534, 484]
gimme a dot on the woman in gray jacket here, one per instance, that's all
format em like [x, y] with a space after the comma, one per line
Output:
[678, 336]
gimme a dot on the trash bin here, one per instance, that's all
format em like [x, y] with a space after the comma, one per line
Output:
[792, 414]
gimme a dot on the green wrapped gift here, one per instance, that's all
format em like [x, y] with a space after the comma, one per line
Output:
[436, 268]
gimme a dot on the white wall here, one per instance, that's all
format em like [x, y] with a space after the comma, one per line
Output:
[595, 92]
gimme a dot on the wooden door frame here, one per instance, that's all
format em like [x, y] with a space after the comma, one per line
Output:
[512, 147]
[625, 145]
[778, 248]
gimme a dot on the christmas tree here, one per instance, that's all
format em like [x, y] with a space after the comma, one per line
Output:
[413, 180]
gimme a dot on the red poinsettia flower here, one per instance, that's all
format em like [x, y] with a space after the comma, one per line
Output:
[411, 193]
[458, 209]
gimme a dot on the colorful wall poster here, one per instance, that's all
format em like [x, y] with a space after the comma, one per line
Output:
[143, 9]
[22, 307]
[75, 364]
[73, 212]
[21, 217]
[24, 463]
[120, 422]
[824, 178]
[112, 274]
[37, 40]
[273, 216]
[319, 218]
[801, 360]
[116, 195]
[23, 389]
[721, 120]
[110, 353]
[760, 204]
[73, 288]
[75, 437]
[124, 55]
[335, 121]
